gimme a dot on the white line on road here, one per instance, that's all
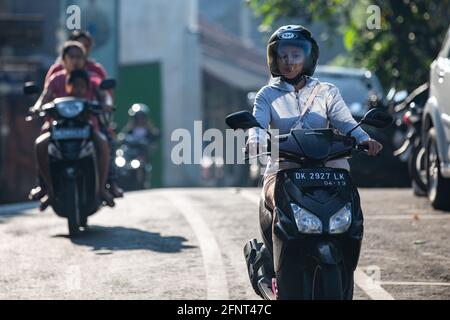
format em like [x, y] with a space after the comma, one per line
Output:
[216, 280]
[370, 287]
[407, 217]
[405, 283]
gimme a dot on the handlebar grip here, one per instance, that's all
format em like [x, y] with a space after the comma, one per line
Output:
[364, 149]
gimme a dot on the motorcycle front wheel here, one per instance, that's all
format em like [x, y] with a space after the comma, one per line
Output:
[71, 207]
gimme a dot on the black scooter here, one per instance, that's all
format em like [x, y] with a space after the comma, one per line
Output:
[312, 239]
[72, 157]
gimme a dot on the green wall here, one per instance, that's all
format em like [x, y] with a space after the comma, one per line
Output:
[141, 84]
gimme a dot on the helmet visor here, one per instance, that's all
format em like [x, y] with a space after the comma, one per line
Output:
[293, 52]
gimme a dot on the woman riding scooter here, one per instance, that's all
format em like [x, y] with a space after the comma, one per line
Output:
[295, 100]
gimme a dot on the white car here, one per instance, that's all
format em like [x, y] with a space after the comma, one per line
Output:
[436, 130]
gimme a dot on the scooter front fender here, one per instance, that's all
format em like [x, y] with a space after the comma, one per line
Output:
[327, 253]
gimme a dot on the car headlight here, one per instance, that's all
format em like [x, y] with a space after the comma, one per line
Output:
[70, 109]
[305, 220]
[120, 162]
[341, 220]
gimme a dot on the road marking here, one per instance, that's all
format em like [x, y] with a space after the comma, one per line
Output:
[216, 280]
[370, 287]
[367, 284]
[405, 283]
[406, 217]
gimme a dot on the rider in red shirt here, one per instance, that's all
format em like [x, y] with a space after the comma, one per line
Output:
[91, 66]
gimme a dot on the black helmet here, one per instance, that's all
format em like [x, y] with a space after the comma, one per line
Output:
[293, 35]
[138, 109]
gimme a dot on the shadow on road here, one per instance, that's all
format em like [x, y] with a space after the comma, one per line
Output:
[10, 211]
[102, 238]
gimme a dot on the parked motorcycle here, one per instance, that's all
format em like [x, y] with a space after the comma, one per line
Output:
[72, 156]
[412, 150]
[317, 221]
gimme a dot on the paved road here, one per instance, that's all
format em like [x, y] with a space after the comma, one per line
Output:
[187, 244]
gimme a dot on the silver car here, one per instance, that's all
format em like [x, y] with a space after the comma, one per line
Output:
[436, 130]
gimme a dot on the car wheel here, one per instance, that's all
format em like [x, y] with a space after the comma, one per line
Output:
[438, 187]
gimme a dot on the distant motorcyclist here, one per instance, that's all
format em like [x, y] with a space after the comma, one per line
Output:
[140, 127]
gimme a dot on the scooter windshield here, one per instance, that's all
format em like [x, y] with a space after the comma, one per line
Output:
[315, 144]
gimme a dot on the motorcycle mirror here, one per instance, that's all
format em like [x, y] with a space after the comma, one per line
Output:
[391, 94]
[108, 84]
[30, 88]
[377, 118]
[242, 120]
[400, 96]
[251, 98]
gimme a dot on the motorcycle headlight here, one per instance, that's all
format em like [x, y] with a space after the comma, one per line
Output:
[135, 164]
[305, 220]
[120, 162]
[341, 220]
[70, 109]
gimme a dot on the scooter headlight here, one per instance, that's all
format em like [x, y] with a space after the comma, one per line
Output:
[120, 162]
[341, 220]
[306, 221]
[135, 164]
[70, 109]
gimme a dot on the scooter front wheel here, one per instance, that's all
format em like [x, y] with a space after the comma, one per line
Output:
[328, 283]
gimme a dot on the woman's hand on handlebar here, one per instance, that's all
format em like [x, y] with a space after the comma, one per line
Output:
[373, 147]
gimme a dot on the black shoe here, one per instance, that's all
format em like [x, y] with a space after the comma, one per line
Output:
[44, 202]
[36, 193]
[107, 198]
[115, 190]
[251, 251]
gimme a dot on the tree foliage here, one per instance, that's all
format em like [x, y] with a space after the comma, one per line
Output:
[400, 51]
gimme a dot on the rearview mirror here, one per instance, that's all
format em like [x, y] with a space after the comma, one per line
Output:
[400, 96]
[108, 84]
[30, 88]
[377, 118]
[242, 120]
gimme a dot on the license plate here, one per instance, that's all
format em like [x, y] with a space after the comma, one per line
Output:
[320, 178]
[70, 133]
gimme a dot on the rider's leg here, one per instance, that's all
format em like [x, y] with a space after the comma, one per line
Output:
[112, 175]
[40, 191]
[266, 216]
[41, 149]
[102, 148]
